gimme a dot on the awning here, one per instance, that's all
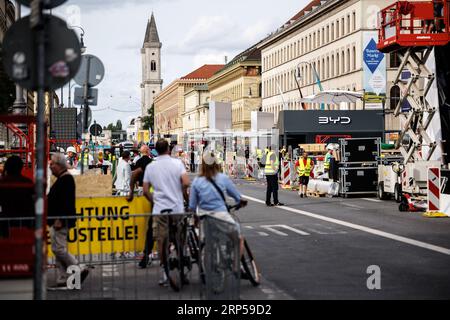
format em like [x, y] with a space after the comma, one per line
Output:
[333, 97]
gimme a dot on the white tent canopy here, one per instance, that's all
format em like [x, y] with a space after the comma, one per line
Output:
[333, 97]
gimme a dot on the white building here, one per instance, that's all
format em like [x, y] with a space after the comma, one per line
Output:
[332, 37]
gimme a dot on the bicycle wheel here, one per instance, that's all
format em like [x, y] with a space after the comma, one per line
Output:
[173, 263]
[249, 265]
[193, 244]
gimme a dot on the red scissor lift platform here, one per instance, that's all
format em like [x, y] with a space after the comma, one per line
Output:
[414, 24]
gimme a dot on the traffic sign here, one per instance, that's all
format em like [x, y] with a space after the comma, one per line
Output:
[62, 54]
[91, 99]
[96, 71]
[47, 4]
[79, 121]
[96, 130]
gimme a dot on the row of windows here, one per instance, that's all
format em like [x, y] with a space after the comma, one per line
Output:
[229, 95]
[328, 67]
[314, 40]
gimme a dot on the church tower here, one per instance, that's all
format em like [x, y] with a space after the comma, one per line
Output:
[151, 66]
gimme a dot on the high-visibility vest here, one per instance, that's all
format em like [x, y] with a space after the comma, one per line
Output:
[269, 162]
[259, 153]
[302, 169]
[86, 160]
[328, 157]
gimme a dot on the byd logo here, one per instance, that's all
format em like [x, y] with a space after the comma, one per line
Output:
[331, 120]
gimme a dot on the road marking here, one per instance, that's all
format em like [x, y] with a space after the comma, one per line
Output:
[263, 234]
[373, 200]
[383, 234]
[303, 233]
[275, 231]
[352, 205]
[249, 227]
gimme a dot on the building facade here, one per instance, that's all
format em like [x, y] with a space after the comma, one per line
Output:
[239, 83]
[329, 37]
[151, 84]
[170, 103]
[196, 105]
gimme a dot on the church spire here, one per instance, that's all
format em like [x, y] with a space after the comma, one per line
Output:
[151, 35]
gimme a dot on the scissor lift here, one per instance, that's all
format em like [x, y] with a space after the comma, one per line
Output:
[413, 29]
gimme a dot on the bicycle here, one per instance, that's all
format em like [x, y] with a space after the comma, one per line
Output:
[176, 256]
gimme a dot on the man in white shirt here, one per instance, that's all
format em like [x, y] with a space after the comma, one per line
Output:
[123, 175]
[170, 181]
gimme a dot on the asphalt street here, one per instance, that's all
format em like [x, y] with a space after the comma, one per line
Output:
[314, 248]
[321, 248]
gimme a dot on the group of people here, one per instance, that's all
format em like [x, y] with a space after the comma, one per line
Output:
[166, 185]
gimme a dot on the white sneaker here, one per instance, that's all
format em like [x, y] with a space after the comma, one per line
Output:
[163, 281]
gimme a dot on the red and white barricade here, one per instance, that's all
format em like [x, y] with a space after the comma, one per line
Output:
[434, 193]
[286, 182]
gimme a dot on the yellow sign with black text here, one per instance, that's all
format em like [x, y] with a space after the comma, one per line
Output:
[108, 225]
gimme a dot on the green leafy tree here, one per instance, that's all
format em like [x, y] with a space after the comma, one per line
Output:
[149, 120]
[118, 125]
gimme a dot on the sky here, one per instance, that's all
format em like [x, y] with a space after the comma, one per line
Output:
[193, 33]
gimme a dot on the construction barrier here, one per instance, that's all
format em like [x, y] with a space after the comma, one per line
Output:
[434, 194]
[286, 182]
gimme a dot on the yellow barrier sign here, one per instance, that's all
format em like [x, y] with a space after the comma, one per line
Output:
[107, 225]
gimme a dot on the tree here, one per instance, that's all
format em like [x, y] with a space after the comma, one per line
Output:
[148, 121]
[111, 127]
[118, 125]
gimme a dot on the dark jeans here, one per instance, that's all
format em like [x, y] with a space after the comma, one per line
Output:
[192, 167]
[148, 240]
[272, 188]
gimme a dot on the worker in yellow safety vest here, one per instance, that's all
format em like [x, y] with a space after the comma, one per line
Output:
[328, 158]
[271, 162]
[88, 160]
[304, 167]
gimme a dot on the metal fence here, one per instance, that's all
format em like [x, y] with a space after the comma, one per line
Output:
[111, 248]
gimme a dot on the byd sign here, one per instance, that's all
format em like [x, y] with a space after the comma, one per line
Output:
[335, 120]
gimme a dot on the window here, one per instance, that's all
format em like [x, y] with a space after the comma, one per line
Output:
[343, 62]
[332, 32]
[394, 97]
[348, 60]
[354, 58]
[394, 61]
[342, 27]
[332, 65]
[337, 29]
[348, 23]
[328, 34]
[328, 67]
[354, 21]
[338, 70]
[153, 65]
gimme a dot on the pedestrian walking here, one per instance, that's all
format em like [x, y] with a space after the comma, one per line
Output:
[87, 158]
[123, 175]
[170, 182]
[192, 163]
[137, 178]
[304, 166]
[61, 203]
[271, 163]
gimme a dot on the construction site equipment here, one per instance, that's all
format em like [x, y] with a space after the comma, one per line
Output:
[358, 180]
[360, 150]
[17, 246]
[412, 29]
